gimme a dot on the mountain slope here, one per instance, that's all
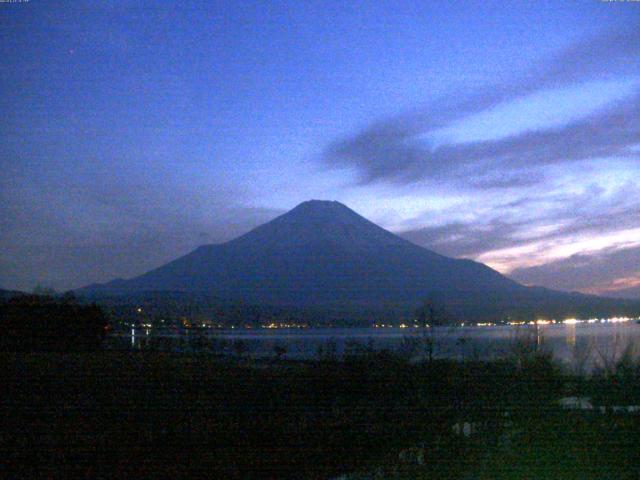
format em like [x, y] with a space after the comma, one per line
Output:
[324, 254]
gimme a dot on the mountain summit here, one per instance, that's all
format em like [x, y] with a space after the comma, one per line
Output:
[323, 254]
[320, 221]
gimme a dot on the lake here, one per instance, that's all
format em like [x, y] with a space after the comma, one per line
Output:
[579, 346]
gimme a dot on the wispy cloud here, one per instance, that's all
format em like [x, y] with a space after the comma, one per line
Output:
[588, 241]
[538, 219]
[605, 272]
[396, 150]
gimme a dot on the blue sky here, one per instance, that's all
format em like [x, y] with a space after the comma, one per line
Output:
[502, 131]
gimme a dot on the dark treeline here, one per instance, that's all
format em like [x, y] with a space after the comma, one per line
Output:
[163, 308]
[50, 323]
[174, 309]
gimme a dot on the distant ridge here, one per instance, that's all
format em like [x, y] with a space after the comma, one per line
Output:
[632, 293]
[323, 254]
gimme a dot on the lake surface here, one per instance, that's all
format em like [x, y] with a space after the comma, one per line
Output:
[580, 346]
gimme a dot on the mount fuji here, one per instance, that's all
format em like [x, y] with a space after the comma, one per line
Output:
[323, 254]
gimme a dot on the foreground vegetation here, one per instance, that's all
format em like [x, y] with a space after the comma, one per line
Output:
[36, 323]
[144, 414]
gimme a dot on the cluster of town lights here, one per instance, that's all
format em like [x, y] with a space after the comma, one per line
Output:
[273, 325]
[568, 321]
[390, 325]
[574, 321]
[283, 325]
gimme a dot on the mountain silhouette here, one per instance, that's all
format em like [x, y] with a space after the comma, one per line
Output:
[324, 254]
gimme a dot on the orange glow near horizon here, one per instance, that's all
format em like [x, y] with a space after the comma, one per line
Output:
[540, 253]
[617, 284]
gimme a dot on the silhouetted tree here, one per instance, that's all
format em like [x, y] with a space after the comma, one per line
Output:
[45, 323]
[431, 315]
[43, 290]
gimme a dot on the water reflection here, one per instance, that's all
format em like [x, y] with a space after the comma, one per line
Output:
[580, 346]
[571, 335]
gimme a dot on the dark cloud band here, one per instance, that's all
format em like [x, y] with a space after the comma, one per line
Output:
[395, 151]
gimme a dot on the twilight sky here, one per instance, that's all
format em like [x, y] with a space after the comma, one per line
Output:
[507, 132]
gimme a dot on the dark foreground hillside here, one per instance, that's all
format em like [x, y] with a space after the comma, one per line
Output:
[147, 414]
